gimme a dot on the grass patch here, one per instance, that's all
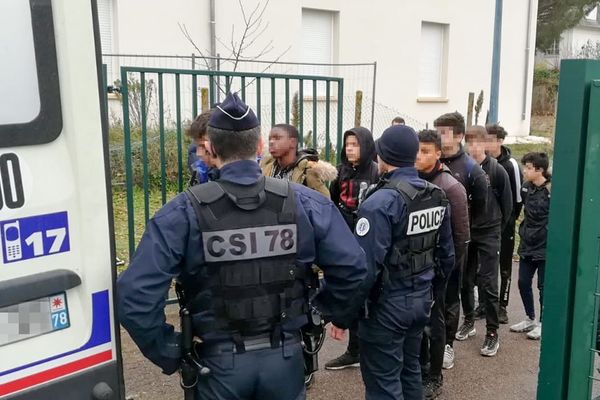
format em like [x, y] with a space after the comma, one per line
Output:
[121, 219]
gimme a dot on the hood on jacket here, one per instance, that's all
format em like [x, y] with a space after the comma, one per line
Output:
[367, 147]
[505, 154]
[321, 168]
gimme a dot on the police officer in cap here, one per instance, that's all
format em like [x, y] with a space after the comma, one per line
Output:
[404, 228]
[241, 247]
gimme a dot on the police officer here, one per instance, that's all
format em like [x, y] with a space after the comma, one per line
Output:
[241, 247]
[404, 228]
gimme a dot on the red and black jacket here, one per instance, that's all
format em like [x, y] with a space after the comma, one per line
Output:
[346, 188]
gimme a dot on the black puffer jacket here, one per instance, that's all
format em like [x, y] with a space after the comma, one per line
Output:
[346, 188]
[534, 228]
[471, 176]
[499, 205]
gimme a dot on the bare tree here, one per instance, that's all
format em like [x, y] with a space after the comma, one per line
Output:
[237, 46]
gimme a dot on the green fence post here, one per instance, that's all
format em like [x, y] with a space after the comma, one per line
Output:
[179, 138]
[161, 128]
[314, 106]
[258, 100]
[564, 232]
[584, 316]
[127, 161]
[243, 89]
[327, 120]
[272, 101]
[194, 95]
[144, 147]
[301, 109]
[287, 102]
[340, 121]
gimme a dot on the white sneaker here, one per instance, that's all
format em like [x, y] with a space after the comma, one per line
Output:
[536, 333]
[524, 326]
[448, 357]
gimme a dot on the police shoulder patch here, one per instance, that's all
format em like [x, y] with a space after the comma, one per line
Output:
[362, 226]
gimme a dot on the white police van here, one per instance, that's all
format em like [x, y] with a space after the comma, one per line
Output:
[58, 335]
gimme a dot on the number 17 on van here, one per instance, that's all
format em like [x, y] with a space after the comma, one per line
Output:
[36, 236]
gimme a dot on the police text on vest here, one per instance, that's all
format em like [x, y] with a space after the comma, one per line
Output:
[426, 220]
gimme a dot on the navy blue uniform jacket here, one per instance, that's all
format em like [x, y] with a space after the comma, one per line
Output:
[385, 209]
[172, 243]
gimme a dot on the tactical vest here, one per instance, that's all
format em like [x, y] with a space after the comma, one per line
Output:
[412, 252]
[249, 240]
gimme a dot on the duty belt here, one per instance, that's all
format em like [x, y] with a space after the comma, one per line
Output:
[250, 343]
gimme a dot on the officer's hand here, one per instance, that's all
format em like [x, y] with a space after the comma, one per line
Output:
[337, 333]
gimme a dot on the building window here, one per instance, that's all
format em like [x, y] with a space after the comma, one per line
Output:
[433, 60]
[318, 43]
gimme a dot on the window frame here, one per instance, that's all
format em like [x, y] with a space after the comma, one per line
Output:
[47, 125]
[443, 95]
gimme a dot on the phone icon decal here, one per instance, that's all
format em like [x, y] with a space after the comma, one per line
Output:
[12, 241]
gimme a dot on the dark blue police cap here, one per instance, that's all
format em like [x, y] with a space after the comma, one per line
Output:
[398, 146]
[233, 115]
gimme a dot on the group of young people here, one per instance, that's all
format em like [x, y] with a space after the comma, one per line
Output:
[486, 193]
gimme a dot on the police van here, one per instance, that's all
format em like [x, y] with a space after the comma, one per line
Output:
[58, 335]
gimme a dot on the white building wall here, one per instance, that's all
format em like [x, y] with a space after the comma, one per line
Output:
[575, 38]
[386, 31]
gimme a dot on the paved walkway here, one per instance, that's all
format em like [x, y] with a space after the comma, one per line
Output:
[511, 375]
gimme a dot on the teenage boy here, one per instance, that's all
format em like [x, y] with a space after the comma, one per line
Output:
[355, 174]
[201, 162]
[432, 170]
[533, 231]
[484, 248]
[502, 154]
[285, 162]
[451, 128]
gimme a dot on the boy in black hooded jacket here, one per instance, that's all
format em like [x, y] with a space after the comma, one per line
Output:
[355, 174]
[357, 169]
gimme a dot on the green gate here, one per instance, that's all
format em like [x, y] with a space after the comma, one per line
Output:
[571, 291]
[159, 103]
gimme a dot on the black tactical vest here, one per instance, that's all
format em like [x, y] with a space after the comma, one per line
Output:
[249, 239]
[412, 251]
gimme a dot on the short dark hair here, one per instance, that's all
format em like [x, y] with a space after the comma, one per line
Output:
[476, 132]
[398, 120]
[431, 136]
[234, 145]
[538, 160]
[291, 130]
[454, 120]
[496, 130]
[197, 129]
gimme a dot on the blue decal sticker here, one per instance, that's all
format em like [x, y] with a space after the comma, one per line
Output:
[31, 237]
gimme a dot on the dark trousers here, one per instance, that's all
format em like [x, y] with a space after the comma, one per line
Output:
[482, 266]
[389, 359]
[434, 335]
[527, 268]
[453, 299]
[271, 374]
[353, 341]
[507, 247]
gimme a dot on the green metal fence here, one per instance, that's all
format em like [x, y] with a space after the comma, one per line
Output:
[303, 100]
[571, 291]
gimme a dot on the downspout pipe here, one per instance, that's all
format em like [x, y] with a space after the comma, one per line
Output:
[527, 57]
[213, 36]
[497, 50]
